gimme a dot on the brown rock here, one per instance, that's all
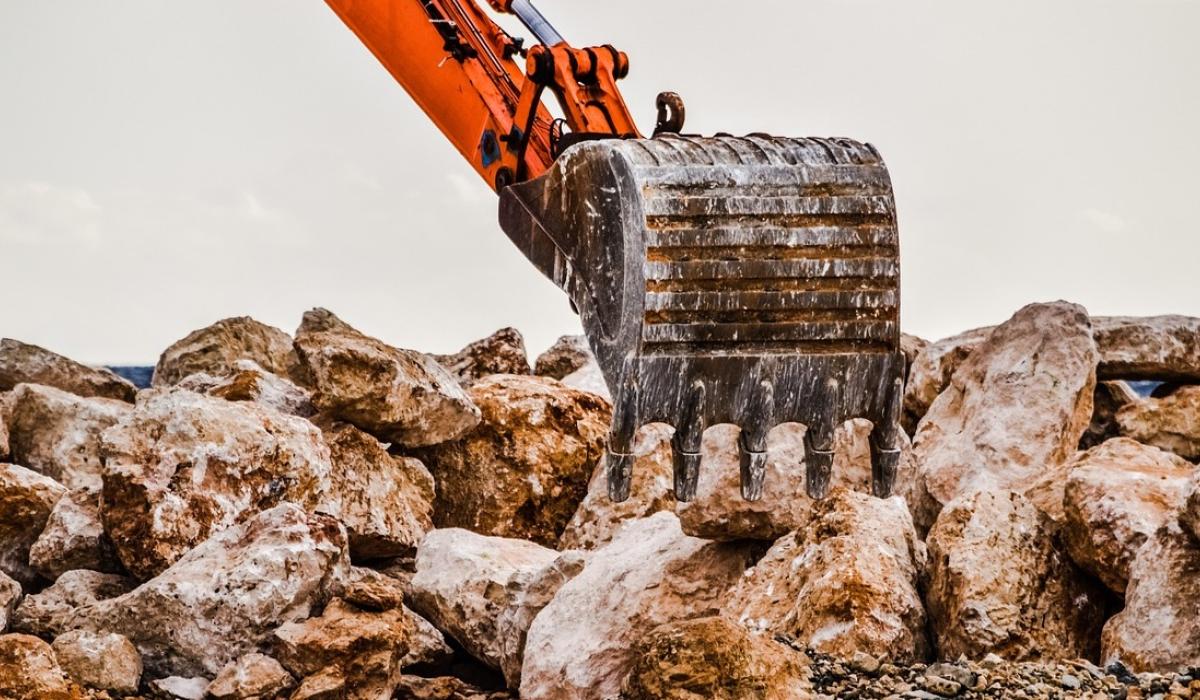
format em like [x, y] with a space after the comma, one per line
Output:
[396, 395]
[1118, 495]
[21, 363]
[581, 644]
[416, 688]
[486, 591]
[503, 352]
[1156, 348]
[183, 466]
[371, 590]
[524, 470]
[3, 427]
[99, 661]
[911, 346]
[223, 598]
[1159, 629]
[1016, 408]
[1110, 398]
[1000, 582]
[568, 354]
[252, 677]
[57, 433]
[74, 538]
[598, 517]
[847, 582]
[10, 597]
[930, 371]
[361, 649]
[215, 350]
[385, 501]
[714, 658]
[1172, 422]
[53, 611]
[29, 671]
[1190, 518]
[249, 382]
[26, 500]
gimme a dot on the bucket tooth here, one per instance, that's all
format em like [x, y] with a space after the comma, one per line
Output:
[886, 447]
[725, 263]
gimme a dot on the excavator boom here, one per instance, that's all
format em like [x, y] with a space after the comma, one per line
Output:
[752, 281]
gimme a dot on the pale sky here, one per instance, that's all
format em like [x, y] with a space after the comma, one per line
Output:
[167, 163]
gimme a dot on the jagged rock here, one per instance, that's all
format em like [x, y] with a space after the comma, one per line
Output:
[252, 677]
[57, 433]
[223, 598]
[396, 395]
[53, 611]
[368, 589]
[1116, 496]
[523, 471]
[568, 354]
[1190, 518]
[650, 574]
[589, 378]
[21, 363]
[712, 657]
[183, 466]
[417, 688]
[503, 352]
[1016, 408]
[99, 661]
[1000, 582]
[74, 538]
[1110, 397]
[249, 382]
[1172, 422]
[1159, 629]
[486, 591]
[385, 501]
[178, 688]
[1155, 348]
[426, 643]
[10, 597]
[359, 651]
[216, 349]
[846, 582]
[29, 671]
[930, 371]
[911, 346]
[26, 500]
[598, 517]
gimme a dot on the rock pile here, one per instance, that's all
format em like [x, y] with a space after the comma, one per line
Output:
[327, 516]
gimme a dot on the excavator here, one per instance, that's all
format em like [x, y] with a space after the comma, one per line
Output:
[748, 280]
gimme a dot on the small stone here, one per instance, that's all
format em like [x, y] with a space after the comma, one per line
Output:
[99, 661]
[178, 688]
[942, 686]
[1069, 682]
[864, 662]
[252, 677]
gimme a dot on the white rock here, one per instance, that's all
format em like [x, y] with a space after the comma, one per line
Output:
[99, 661]
[10, 597]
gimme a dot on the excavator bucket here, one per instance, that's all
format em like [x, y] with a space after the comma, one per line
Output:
[752, 281]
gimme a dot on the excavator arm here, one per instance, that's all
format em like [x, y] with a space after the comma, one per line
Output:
[751, 280]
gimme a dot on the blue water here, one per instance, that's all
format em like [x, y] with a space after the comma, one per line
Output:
[140, 376]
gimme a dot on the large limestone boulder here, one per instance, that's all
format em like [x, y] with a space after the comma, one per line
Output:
[845, 583]
[99, 661]
[930, 371]
[598, 517]
[503, 352]
[224, 598]
[1109, 399]
[216, 349]
[57, 433]
[713, 657]
[486, 591]
[346, 652]
[254, 676]
[568, 354]
[54, 610]
[183, 466]
[1171, 422]
[396, 395]
[74, 538]
[29, 671]
[1016, 408]
[26, 501]
[1117, 496]
[524, 470]
[10, 597]
[1159, 629]
[385, 501]
[249, 382]
[582, 644]
[1000, 582]
[1155, 348]
[21, 363]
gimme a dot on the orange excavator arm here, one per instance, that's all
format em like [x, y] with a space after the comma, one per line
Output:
[463, 70]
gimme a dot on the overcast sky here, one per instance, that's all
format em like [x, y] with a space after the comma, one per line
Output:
[167, 163]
